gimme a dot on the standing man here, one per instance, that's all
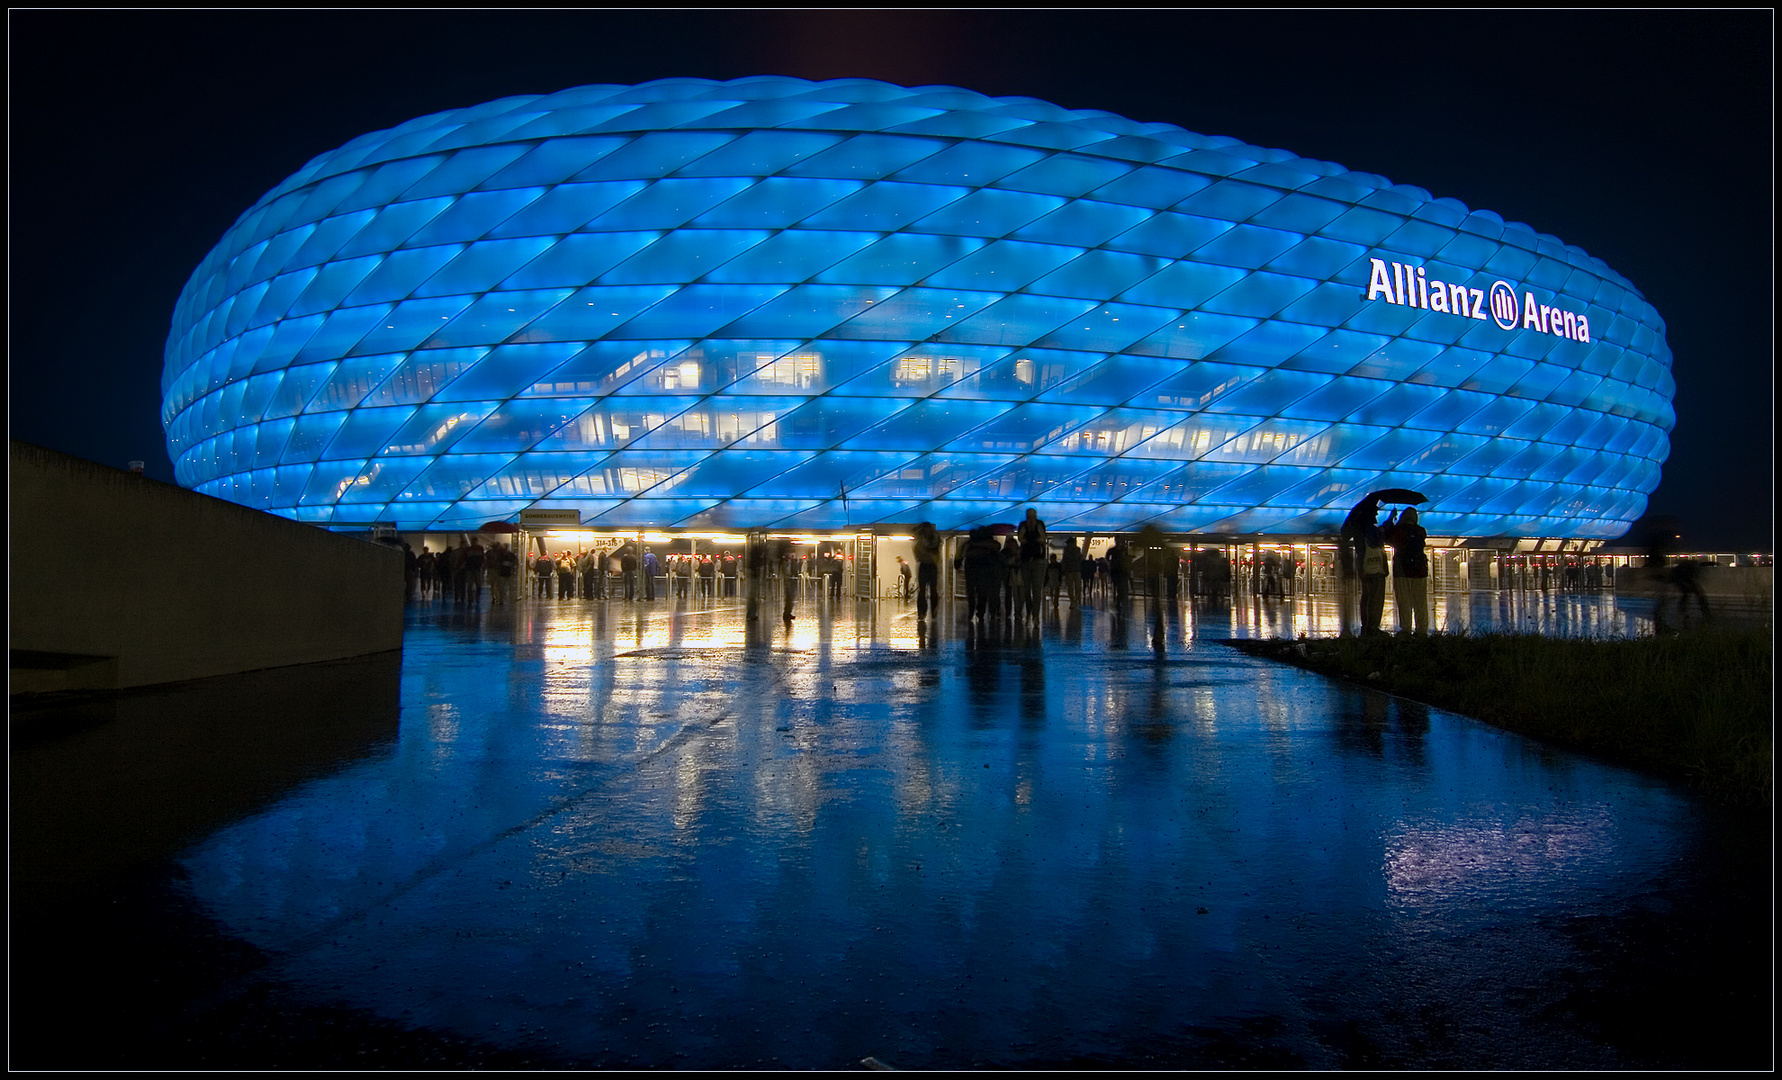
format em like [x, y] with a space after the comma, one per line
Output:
[1011, 577]
[411, 571]
[628, 571]
[542, 570]
[473, 569]
[1072, 566]
[1120, 574]
[502, 579]
[1032, 535]
[650, 566]
[927, 552]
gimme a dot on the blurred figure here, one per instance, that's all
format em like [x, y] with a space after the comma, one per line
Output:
[1684, 576]
[1031, 535]
[1011, 577]
[1120, 575]
[982, 563]
[1071, 566]
[927, 551]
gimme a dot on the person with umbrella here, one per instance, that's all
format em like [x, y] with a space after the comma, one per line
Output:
[1362, 555]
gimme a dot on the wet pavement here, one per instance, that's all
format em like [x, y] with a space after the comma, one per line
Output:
[609, 834]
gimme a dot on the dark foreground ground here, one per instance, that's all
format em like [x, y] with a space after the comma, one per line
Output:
[607, 835]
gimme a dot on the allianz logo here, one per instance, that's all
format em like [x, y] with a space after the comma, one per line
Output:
[1412, 287]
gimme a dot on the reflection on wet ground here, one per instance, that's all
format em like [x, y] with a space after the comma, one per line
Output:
[658, 835]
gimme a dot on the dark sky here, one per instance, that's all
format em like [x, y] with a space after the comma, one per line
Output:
[1645, 138]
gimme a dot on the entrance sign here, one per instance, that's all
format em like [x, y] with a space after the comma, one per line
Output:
[550, 517]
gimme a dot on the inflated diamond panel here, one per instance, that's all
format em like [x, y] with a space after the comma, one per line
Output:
[776, 303]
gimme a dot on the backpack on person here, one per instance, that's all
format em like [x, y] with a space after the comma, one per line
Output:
[1373, 559]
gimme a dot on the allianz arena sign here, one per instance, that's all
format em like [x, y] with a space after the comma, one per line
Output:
[779, 304]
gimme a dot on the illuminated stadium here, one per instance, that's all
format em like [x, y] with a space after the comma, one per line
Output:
[779, 304]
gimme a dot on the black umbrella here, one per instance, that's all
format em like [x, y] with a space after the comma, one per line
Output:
[1363, 514]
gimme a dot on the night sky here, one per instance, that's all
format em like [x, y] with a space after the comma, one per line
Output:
[1646, 138]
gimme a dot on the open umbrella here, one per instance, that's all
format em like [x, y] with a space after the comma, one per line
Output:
[499, 527]
[1002, 528]
[1363, 514]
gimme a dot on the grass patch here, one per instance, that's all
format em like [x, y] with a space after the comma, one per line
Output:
[1697, 706]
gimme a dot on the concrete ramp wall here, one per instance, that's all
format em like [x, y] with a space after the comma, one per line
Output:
[117, 580]
[1747, 584]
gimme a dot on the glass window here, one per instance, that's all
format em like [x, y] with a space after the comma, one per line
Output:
[434, 428]
[311, 434]
[422, 374]
[364, 432]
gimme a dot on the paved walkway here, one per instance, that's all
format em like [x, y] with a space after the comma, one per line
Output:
[649, 834]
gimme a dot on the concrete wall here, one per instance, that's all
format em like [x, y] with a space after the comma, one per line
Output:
[1747, 584]
[117, 580]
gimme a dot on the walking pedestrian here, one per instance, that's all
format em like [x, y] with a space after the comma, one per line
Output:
[927, 552]
[1031, 534]
[1011, 576]
[1120, 575]
[981, 563]
[1071, 566]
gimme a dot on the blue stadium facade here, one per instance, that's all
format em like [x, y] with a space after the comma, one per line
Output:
[779, 304]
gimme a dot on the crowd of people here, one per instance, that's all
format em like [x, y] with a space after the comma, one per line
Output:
[1015, 578]
[459, 572]
[1010, 572]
